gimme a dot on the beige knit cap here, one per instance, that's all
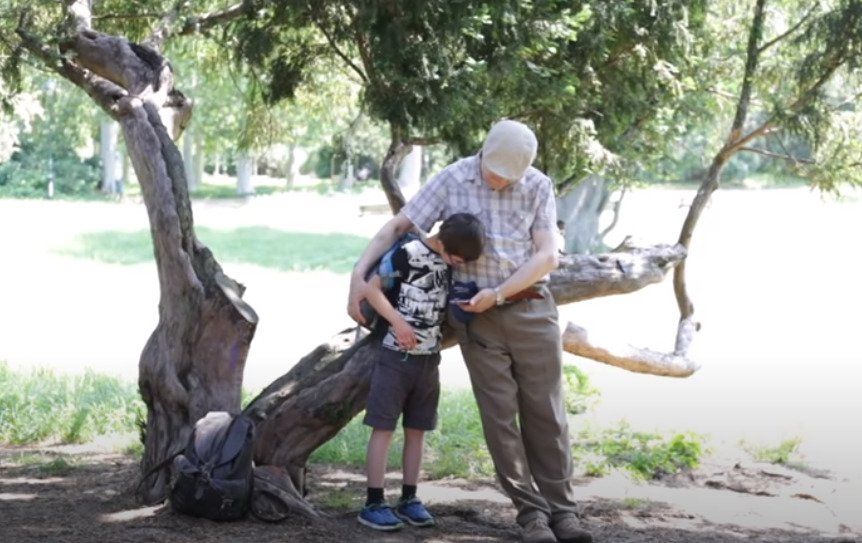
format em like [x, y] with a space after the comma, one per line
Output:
[509, 149]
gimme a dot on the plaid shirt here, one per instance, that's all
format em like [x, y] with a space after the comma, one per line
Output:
[510, 216]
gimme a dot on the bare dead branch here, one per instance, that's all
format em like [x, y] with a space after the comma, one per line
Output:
[196, 24]
[789, 31]
[174, 23]
[577, 341]
[770, 154]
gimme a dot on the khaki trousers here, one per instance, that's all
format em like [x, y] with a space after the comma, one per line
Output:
[514, 356]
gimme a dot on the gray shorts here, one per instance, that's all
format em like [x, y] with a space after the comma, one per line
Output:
[410, 387]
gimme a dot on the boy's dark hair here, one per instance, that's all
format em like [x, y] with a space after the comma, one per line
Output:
[462, 234]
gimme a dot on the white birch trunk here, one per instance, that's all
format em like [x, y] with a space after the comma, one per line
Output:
[109, 130]
[244, 170]
[189, 159]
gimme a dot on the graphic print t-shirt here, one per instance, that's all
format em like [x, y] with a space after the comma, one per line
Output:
[422, 295]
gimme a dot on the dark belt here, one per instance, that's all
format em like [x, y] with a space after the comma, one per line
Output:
[529, 293]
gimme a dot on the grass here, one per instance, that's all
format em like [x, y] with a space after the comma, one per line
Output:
[456, 448]
[258, 245]
[42, 405]
[46, 465]
[784, 453]
[645, 455]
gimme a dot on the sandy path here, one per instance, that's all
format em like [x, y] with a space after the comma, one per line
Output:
[773, 274]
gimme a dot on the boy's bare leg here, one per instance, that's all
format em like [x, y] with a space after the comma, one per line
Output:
[411, 460]
[377, 455]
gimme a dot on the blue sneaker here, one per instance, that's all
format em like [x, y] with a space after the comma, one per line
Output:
[414, 512]
[380, 516]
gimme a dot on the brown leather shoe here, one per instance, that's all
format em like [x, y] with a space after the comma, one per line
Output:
[568, 530]
[538, 531]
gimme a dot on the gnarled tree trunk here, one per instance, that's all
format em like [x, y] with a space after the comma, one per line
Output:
[194, 360]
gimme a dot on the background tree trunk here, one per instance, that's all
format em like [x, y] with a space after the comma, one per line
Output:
[388, 179]
[410, 172]
[580, 210]
[108, 132]
[189, 159]
[244, 170]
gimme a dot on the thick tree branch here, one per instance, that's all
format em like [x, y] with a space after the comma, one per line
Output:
[347, 60]
[610, 350]
[751, 60]
[105, 93]
[582, 277]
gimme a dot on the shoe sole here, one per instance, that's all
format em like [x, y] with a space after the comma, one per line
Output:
[380, 527]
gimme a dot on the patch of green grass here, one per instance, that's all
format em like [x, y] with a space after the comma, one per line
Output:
[633, 504]
[780, 454]
[645, 455]
[340, 499]
[39, 405]
[226, 192]
[46, 465]
[135, 449]
[581, 395]
[456, 448]
[258, 245]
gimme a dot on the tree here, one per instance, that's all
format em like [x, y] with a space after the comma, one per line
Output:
[799, 76]
[194, 359]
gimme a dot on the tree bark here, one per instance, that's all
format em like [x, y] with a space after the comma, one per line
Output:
[388, 180]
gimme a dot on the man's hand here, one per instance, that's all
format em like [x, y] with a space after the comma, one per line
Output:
[388, 234]
[483, 300]
[358, 292]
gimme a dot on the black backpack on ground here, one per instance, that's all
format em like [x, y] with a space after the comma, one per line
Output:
[213, 476]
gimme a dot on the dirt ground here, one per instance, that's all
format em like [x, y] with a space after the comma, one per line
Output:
[87, 497]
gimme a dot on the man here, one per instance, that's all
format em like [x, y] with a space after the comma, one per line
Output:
[512, 345]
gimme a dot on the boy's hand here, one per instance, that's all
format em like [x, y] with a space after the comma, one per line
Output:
[405, 335]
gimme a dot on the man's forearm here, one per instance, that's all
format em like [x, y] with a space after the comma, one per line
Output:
[538, 266]
[388, 234]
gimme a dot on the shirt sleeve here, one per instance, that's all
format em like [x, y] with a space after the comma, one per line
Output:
[428, 205]
[546, 208]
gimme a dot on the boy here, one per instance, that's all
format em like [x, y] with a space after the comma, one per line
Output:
[405, 379]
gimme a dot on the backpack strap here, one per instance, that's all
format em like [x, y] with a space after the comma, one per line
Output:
[158, 467]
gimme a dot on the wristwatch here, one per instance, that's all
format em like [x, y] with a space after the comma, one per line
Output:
[499, 294]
